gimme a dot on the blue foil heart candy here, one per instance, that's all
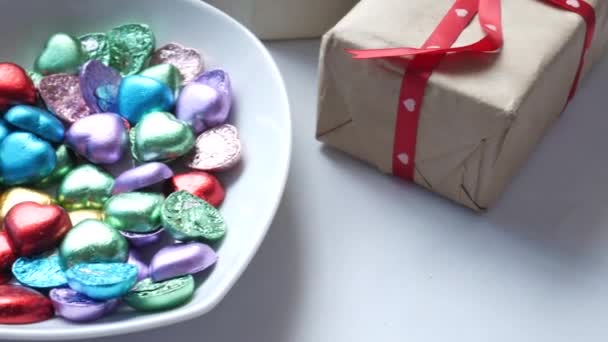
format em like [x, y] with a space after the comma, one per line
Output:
[140, 95]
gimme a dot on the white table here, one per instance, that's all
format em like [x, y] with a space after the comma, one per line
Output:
[354, 255]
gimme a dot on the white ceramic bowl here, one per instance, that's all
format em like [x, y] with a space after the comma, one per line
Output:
[261, 113]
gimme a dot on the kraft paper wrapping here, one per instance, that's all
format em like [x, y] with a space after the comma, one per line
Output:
[483, 114]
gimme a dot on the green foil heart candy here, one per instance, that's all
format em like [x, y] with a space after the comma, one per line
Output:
[148, 295]
[187, 217]
[130, 47]
[96, 46]
[167, 74]
[85, 187]
[137, 212]
[159, 136]
[65, 164]
[62, 54]
[92, 241]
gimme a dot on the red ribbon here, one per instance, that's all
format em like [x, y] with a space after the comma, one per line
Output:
[439, 44]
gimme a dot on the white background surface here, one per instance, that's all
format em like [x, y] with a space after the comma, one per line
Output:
[354, 255]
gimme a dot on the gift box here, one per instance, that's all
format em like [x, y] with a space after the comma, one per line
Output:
[286, 19]
[460, 121]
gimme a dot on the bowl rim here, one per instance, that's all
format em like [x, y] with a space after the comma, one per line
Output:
[166, 318]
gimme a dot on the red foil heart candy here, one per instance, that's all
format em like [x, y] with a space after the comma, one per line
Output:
[199, 183]
[20, 305]
[7, 257]
[15, 86]
[34, 228]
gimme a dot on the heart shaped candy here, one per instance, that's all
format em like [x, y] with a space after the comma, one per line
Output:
[217, 149]
[160, 136]
[140, 95]
[25, 158]
[165, 73]
[34, 228]
[92, 241]
[188, 61]
[62, 95]
[199, 183]
[37, 121]
[96, 46]
[85, 187]
[130, 47]
[206, 102]
[15, 86]
[99, 84]
[20, 305]
[100, 146]
[62, 54]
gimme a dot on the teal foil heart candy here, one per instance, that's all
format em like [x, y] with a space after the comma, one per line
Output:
[137, 212]
[167, 74]
[96, 46]
[65, 164]
[92, 241]
[37, 121]
[62, 54]
[25, 158]
[159, 136]
[85, 187]
[130, 47]
[140, 95]
[187, 217]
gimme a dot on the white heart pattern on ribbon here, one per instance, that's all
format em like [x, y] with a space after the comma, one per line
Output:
[403, 158]
[491, 27]
[461, 12]
[410, 105]
[573, 3]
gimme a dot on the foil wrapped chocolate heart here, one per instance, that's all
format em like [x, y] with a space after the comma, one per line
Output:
[99, 146]
[15, 86]
[140, 95]
[206, 102]
[34, 228]
[159, 136]
[37, 121]
[99, 84]
[188, 61]
[62, 54]
[20, 305]
[25, 158]
[62, 95]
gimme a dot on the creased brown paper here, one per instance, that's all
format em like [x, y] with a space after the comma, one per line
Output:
[483, 114]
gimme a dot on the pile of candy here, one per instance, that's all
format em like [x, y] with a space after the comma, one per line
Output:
[68, 126]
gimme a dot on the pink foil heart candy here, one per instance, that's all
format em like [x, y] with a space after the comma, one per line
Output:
[188, 61]
[63, 96]
[216, 149]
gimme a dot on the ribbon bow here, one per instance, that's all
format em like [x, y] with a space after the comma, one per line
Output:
[439, 44]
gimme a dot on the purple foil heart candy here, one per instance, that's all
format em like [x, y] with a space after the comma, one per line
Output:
[100, 138]
[181, 259]
[138, 240]
[62, 95]
[77, 307]
[99, 84]
[141, 176]
[206, 102]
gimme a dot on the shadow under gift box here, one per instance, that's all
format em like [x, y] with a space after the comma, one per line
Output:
[482, 115]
